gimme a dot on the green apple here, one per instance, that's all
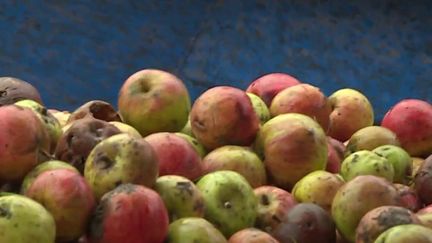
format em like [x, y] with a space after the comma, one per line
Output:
[230, 202]
[259, 107]
[24, 220]
[120, 159]
[154, 101]
[400, 159]
[181, 197]
[194, 229]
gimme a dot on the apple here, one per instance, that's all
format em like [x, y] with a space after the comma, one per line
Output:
[416, 164]
[69, 199]
[22, 142]
[411, 120]
[406, 233]
[304, 99]
[268, 85]
[306, 222]
[181, 197]
[400, 159]
[365, 162]
[129, 213]
[370, 137]
[14, 89]
[423, 181]
[378, 220]
[259, 107]
[351, 111]
[357, 197]
[153, 101]
[97, 109]
[273, 204]
[48, 121]
[292, 145]
[230, 202]
[252, 235]
[237, 158]
[76, 142]
[24, 220]
[318, 187]
[194, 142]
[45, 166]
[194, 229]
[61, 116]
[335, 155]
[120, 159]
[409, 197]
[224, 115]
[176, 156]
[125, 128]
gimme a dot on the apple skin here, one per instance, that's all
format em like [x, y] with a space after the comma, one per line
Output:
[176, 156]
[153, 101]
[97, 109]
[24, 220]
[292, 146]
[369, 138]
[224, 115]
[306, 222]
[129, 213]
[194, 142]
[49, 122]
[80, 138]
[237, 158]
[259, 107]
[269, 85]
[61, 116]
[181, 197]
[120, 159]
[273, 204]
[125, 128]
[251, 235]
[405, 233]
[23, 141]
[194, 229]
[230, 203]
[400, 159]
[45, 166]
[351, 111]
[335, 155]
[357, 197]
[411, 120]
[378, 220]
[423, 181]
[318, 187]
[14, 89]
[68, 197]
[304, 99]
[409, 197]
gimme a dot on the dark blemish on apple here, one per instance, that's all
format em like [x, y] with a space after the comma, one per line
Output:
[355, 158]
[276, 218]
[227, 205]
[118, 183]
[265, 200]
[103, 162]
[5, 211]
[185, 186]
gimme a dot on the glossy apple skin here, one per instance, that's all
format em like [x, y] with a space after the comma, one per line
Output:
[129, 213]
[411, 120]
[176, 156]
[68, 197]
[153, 101]
[269, 85]
[23, 142]
[224, 115]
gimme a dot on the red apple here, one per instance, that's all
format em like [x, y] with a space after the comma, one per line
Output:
[130, 213]
[224, 115]
[154, 101]
[68, 197]
[273, 204]
[409, 197]
[269, 85]
[335, 155]
[176, 156]
[304, 99]
[22, 141]
[411, 120]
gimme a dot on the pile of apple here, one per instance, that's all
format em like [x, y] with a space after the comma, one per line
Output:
[277, 162]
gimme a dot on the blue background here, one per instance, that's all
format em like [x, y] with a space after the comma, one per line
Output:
[76, 51]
